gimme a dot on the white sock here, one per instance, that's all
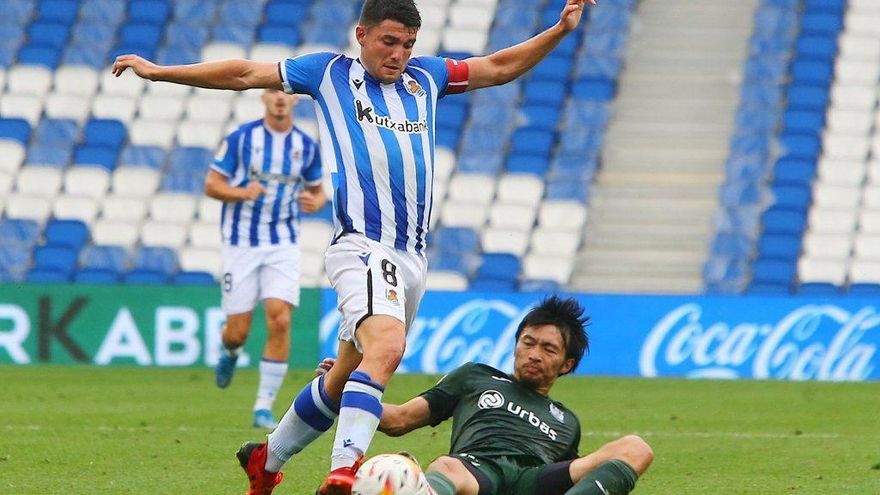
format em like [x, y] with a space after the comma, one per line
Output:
[311, 414]
[359, 413]
[271, 377]
[234, 352]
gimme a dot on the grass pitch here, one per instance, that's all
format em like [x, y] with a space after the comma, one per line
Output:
[79, 430]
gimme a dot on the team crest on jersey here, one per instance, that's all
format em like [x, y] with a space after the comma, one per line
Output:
[297, 154]
[414, 88]
[391, 295]
[557, 413]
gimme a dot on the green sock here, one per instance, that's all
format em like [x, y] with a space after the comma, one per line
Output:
[610, 478]
[440, 483]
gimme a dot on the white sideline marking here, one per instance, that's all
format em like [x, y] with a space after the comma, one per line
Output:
[592, 433]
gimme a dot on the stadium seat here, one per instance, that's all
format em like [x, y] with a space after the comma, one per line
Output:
[548, 242]
[63, 106]
[106, 258]
[68, 233]
[497, 266]
[562, 215]
[201, 260]
[207, 235]
[815, 270]
[117, 108]
[498, 240]
[115, 233]
[160, 234]
[773, 271]
[209, 210]
[21, 106]
[19, 233]
[96, 156]
[123, 208]
[96, 277]
[547, 268]
[29, 80]
[864, 290]
[471, 188]
[828, 246]
[535, 285]
[46, 276]
[44, 182]
[90, 182]
[445, 280]
[135, 182]
[197, 133]
[6, 181]
[193, 278]
[12, 155]
[832, 221]
[62, 259]
[157, 259]
[173, 208]
[26, 207]
[142, 156]
[512, 216]
[157, 133]
[138, 277]
[463, 215]
[48, 156]
[818, 289]
[520, 189]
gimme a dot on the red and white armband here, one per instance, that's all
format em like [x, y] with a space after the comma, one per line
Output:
[458, 76]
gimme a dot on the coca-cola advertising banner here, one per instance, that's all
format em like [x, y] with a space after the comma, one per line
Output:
[700, 336]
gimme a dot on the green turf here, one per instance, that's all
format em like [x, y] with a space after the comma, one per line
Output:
[73, 430]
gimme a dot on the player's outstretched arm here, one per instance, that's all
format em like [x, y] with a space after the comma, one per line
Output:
[234, 74]
[399, 420]
[506, 65]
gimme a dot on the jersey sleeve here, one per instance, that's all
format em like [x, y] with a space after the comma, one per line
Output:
[444, 396]
[572, 452]
[450, 76]
[225, 160]
[312, 174]
[303, 74]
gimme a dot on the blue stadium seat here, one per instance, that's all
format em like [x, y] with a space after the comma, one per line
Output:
[21, 234]
[818, 289]
[178, 55]
[140, 35]
[566, 189]
[82, 53]
[812, 72]
[546, 93]
[111, 258]
[56, 132]
[48, 34]
[99, 156]
[794, 171]
[800, 146]
[585, 113]
[447, 137]
[452, 115]
[593, 89]
[324, 34]
[50, 156]
[183, 182]
[191, 159]
[809, 122]
[233, 33]
[483, 140]
[186, 35]
[455, 240]
[492, 285]
[194, 12]
[534, 165]
[731, 245]
[58, 258]
[792, 197]
[242, 13]
[304, 110]
[480, 163]
[821, 48]
[807, 98]
[577, 167]
[46, 276]
[157, 259]
[605, 43]
[539, 116]
[821, 24]
[40, 55]
[864, 290]
[193, 278]
[148, 11]
[70, 233]
[96, 277]
[535, 285]
[94, 33]
[63, 11]
[104, 132]
[109, 12]
[19, 12]
[783, 221]
[14, 260]
[146, 156]
[553, 68]
[825, 6]
[462, 264]
[773, 271]
[145, 277]
[148, 52]
[532, 141]
[498, 266]
[769, 289]
[779, 247]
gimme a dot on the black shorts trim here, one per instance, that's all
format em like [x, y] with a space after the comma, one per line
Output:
[554, 478]
[369, 300]
[483, 481]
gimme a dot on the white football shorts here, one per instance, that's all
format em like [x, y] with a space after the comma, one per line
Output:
[371, 278]
[257, 273]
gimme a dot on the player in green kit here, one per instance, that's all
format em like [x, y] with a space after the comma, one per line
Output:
[508, 436]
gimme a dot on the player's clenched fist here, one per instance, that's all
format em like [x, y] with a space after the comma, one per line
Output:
[252, 191]
[141, 66]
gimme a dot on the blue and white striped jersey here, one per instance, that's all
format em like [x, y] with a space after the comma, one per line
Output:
[281, 162]
[378, 141]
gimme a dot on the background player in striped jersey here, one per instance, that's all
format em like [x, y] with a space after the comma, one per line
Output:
[376, 117]
[262, 170]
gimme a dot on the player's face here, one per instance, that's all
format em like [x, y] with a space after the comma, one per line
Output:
[386, 48]
[279, 105]
[539, 357]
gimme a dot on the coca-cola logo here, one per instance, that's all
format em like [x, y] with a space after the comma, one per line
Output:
[821, 342]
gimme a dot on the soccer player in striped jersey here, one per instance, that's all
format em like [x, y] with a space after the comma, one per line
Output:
[264, 171]
[376, 117]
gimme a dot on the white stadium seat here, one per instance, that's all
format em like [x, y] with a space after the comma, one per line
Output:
[87, 181]
[831, 197]
[546, 242]
[464, 40]
[128, 84]
[859, 47]
[173, 208]
[79, 80]
[471, 188]
[442, 280]
[210, 210]
[444, 163]
[82, 208]
[152, 133]
[846, 147]
[12, 155]
[208, 109]
[864, 271]
[428, 42]
[168, 89]
[201, 260]
[869, 222]
[463, 215]
[171, 235]
[38, 181]
[856, 72]
[200, 133]
[2, 79]
[124, 209]
[524, 189]
[36, 208]
[853, 96]
[547, 268]
[160, 107]
[562, 215]
[62, 106]
[29, 79]
[114, 233]
[816, 270]
[309, 127]
[871, 199]
[247, 108]
[867, 247]
[850, 122]
[515, 217]
[270, 52]
[832, 221]
[6, 181]
[119, 108]
[439, 193]
[314, 236]
[433, 16]
[828, 246]
[471, 17]
[494, 240]
[205, 235]
[863, 23]
[135, 181]
[841, 173]
[222, 51]
[23, 106]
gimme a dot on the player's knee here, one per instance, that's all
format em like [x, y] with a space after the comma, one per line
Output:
[389, 355]
[445, 465]
[636, 452]
[279, 322]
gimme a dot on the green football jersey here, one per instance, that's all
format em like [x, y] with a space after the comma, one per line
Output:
[493, 415]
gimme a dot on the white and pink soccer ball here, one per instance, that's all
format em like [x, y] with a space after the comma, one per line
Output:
[390, 474]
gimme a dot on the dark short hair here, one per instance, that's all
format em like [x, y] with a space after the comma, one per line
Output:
[402, 11]
[566, 315]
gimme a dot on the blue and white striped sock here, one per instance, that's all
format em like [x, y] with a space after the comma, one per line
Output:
[359, 413]
[311, 414]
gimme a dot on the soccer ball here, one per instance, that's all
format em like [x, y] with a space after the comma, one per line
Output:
[390, 474]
